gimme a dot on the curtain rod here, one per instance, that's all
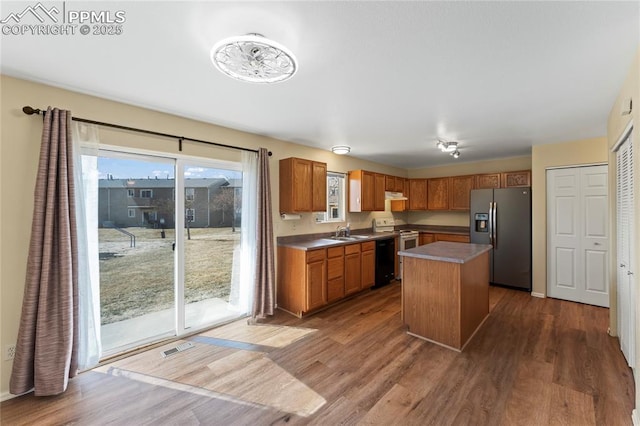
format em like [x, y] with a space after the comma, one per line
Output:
[30, 111]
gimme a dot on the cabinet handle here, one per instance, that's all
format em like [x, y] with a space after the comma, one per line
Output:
[596, 244]
[629, 273]
[622, 265]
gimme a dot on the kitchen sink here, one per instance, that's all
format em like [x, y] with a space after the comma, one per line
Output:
[351, 238]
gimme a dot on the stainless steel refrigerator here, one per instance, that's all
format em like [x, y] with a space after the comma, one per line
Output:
[502, 218]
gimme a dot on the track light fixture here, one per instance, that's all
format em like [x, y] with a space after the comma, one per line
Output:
[449, 147]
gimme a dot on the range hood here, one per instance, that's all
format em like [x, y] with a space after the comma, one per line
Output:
[394, 196]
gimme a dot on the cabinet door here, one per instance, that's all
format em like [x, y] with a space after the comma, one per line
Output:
[316, 284]
[488, 181]
[426, 238]
[319, 187]
[352, 281]
[417, 194]
[368, 191]
[516, 179]
[399, 187]
[295, 185]
[368, 268]
[389, 183]
[378, 195]
[460, 192]
[438, 194]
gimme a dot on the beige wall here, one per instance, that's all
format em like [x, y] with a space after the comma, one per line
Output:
[19, 150]
[616, 126]
[581, 152]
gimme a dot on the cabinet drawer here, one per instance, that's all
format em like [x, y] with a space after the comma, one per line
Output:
[335, 252]
[369, 245]
[351, 249]
[315, 255]
[453, 238]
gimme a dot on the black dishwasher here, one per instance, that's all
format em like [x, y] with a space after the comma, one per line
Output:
[385, 261]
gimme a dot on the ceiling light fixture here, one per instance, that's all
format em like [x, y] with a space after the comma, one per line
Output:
[341, 149]
[254, 58]
[448, 147]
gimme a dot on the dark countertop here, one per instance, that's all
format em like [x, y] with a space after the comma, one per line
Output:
[323, 240]
[445, 251]
[438, 229]
[312, 242]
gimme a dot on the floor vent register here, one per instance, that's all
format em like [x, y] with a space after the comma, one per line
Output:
[180, 348]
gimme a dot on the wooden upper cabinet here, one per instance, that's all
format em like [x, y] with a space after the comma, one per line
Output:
[389, 183]
[488, 181]
[417, 194]
[516, 179]
[319, 187]
[303, 185]
[460, 192]
[366, 191]
[378, 194]
[394, 183]
[401, 205]
[438, 194]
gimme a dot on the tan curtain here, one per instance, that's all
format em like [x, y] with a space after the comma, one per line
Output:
[47, 339]
[264, 293]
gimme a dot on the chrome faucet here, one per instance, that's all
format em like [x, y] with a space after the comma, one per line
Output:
[343, 231]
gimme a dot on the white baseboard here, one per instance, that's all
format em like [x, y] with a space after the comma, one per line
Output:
[4, 396]
[635, 417]
[540, 295]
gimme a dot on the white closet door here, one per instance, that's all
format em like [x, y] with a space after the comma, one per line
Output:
[578, 238]
[625, 253]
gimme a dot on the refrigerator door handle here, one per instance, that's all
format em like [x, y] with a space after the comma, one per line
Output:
[495, 225]
[490, 222]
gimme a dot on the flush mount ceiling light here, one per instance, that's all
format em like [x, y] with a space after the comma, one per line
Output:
[254, 58]
[341, 149]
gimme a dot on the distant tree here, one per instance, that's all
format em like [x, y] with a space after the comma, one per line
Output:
[225, 202]
[165, 207]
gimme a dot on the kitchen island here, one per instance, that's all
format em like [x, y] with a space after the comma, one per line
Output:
[445, 291]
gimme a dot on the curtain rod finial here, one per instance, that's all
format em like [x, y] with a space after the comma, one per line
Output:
[30, 111]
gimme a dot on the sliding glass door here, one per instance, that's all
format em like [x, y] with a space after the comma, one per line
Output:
[211, 242]
[154, 282]
[136, 224]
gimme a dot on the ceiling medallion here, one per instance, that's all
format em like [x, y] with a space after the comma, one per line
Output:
[254, 58]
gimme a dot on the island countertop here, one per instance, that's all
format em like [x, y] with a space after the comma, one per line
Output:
[445, 251]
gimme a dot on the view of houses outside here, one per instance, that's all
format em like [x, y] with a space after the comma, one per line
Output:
[136, 220]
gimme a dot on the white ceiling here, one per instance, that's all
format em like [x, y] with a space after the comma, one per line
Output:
[386, 78]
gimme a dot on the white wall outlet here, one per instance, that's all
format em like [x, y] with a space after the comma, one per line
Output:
[9, 352]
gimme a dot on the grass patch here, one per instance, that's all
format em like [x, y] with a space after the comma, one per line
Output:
[136, 281]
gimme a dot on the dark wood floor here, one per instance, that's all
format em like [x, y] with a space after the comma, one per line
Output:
[534, 362]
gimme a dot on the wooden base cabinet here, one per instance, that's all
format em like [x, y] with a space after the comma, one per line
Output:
[302, 279]
[335, 273]
[368, 264]
[310, 280]
[352, 273]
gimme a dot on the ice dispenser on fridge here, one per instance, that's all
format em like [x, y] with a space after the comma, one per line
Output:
[482, 221]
